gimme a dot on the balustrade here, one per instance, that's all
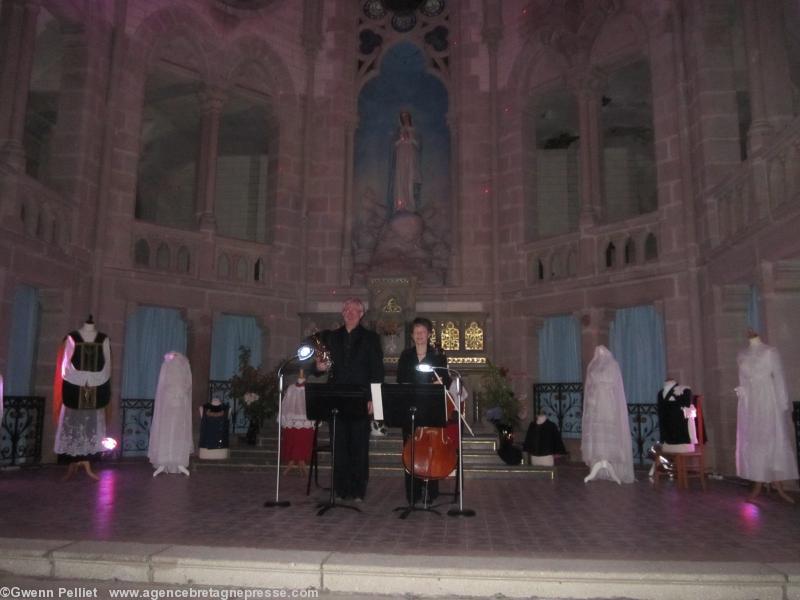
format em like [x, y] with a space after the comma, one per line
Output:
[767, 183]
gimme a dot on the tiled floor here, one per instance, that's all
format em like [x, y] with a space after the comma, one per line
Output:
[563, 518]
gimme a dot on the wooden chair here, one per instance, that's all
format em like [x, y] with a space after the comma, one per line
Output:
[688, 465]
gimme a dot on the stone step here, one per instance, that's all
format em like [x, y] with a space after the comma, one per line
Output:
[480, 457]
[479, 443]
[381, 470]
[343, 574]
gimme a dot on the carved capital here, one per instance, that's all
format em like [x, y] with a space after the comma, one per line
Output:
[587, 82]
[212, 99]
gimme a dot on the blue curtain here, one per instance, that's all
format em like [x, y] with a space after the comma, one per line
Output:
[637, 342]
[230, 332]
[25, 311]
[560, 350]
[150, 333]
[754, 310]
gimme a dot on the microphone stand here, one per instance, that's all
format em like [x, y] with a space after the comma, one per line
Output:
[460, 511]
[278, 502]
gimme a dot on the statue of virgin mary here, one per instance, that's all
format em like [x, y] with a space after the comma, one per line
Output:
[405, 177]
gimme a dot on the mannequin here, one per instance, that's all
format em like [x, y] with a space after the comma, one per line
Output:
[765, 446]
[676, 418]
[542, 441]
[606, 438]
[297, 431]
[214, 428]
[171, 430]
[81, 396]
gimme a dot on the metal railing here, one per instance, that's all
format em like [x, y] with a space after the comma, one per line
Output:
[21, 431]
[137, 414]
[563, 403]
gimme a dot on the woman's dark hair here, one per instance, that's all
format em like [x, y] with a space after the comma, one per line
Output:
[426, 323]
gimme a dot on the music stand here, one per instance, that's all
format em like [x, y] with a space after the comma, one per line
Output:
[421, 405]
[327, 401]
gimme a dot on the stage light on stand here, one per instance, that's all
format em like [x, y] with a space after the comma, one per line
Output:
[303, 353]
[109, 443]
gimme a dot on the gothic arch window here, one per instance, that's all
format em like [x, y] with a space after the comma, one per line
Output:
[223, 266]
[552, 164]
[626, 119]
[246, 180]
[611, 255]
[41, 111]
[163, 256]
[572, 263]
[557, 266]
[170, 134]
[630, 251]
[650, 247]
[241, 268]
[184, 260]
[258, 270]
[141, 253]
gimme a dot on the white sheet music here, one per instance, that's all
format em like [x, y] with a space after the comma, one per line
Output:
[377, 401]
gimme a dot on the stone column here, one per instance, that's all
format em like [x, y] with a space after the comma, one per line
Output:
[457, 221]
[198, 352]
[767, 71]
[211, 102]
[588, 87]
[346, 264]
[18, 35]
[491, 34]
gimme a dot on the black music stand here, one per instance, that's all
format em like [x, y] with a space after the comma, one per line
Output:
[423, 406]
[327, 401]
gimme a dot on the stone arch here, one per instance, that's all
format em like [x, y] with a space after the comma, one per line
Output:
[630, 251]
[258, 270]
[572, 263]
[223, 266]
[242, 268]
[184, 260]
[611, 255]
[387, 49]
[557, 264]
[610, 39]
[650, 247]
[177, 22]
[530, 70]
[141, 253]
[248, 52]
[777, 180]
[163, 256]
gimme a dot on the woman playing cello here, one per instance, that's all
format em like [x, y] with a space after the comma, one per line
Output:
[421, 352]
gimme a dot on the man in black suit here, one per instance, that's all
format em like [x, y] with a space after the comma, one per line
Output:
[356, 358]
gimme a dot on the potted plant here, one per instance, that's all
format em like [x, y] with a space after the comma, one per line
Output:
[501, 407]
[258, 393]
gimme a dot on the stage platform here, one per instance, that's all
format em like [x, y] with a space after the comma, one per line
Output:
[543, 538]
